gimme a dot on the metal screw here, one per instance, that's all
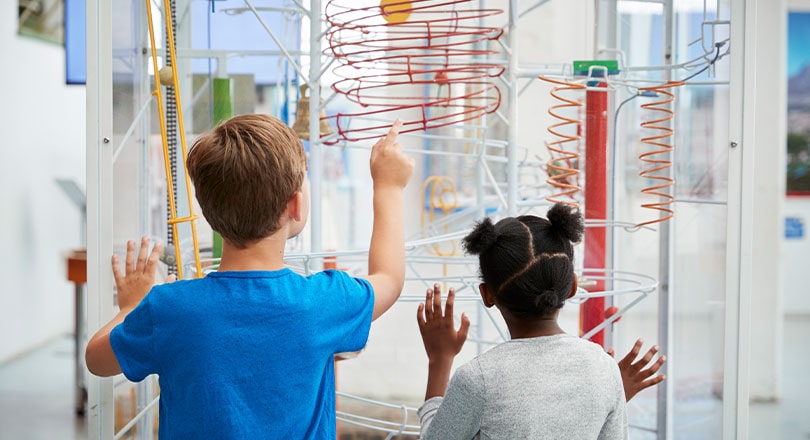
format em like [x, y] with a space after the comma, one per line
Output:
[733, 144]
[106, 140]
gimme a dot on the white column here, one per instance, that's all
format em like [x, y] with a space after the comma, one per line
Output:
[756, 189]
[769, 111]
[99, 203]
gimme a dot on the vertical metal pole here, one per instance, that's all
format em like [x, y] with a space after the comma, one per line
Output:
[664, 422]
[480, 173]
[80, 389]
[607, 37]
[739, 259]
[512, 144]
[480, 199]
[144, 389]
[99, 202]
[315, 146]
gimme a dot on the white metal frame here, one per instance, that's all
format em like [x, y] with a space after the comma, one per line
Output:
[99, 202]
[748, 32]
[99, 196]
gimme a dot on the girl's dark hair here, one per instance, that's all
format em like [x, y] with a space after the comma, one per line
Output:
[527, 261]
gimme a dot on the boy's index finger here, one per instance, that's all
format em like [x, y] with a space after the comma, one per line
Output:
[391, 137]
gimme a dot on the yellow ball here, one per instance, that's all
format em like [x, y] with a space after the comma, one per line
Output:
[395, 11]
[165, 75]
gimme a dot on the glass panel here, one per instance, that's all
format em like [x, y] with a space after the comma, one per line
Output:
[697, 249]
[138, 183]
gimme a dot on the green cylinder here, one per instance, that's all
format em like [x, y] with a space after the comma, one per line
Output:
[223, 105]
[223, 110]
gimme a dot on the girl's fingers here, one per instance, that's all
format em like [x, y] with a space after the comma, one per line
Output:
[648, 356]
[630, 357]
[420, 315]
[655, 367]
[429, 305]
[465, 327]
[437, 301]
[653, 381]
[448, 307]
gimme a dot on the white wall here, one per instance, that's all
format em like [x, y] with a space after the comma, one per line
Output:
[43, 138]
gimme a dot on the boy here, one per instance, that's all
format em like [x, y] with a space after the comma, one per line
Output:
[247, 351]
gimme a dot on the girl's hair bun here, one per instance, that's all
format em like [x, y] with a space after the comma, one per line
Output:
[547, 300]
[481, 238]
[566, 221]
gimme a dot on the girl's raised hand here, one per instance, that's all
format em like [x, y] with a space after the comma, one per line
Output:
[442, 340]
[640, 374]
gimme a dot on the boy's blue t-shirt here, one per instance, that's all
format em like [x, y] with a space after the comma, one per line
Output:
[246, 354]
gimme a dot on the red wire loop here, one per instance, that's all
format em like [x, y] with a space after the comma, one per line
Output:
[388, 68]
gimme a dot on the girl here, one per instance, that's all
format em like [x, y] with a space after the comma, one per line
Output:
[543, 383]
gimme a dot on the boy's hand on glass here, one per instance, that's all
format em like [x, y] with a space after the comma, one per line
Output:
[441, 339]
[139, 275]
[390, 167]
[637, 375]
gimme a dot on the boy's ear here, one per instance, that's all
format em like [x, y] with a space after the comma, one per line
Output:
[486, 295]
[295, 207]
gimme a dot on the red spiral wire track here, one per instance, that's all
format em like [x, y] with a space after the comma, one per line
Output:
[659, 159]
[387, 67]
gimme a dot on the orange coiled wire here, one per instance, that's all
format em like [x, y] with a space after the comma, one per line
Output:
[439, 188]
[659, 159]
[561, 172]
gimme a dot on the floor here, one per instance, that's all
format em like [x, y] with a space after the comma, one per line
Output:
[37, 397]
[790, 418]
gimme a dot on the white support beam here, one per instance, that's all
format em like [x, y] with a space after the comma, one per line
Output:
[768, 185]
[100, 404]
[756, 187]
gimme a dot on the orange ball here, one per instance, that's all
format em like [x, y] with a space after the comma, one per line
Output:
[395, 11]
[441, 78]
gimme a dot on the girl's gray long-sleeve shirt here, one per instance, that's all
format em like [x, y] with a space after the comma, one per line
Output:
[551, 387]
